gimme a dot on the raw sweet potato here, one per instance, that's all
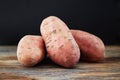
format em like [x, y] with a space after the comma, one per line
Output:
[60, 44]
[30, 50]
[92, 48]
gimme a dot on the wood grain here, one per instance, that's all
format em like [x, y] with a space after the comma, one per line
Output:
[11, 69]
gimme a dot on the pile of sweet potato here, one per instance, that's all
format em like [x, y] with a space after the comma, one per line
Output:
[65, 47]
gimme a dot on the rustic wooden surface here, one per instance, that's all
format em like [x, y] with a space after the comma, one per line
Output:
[10, 69]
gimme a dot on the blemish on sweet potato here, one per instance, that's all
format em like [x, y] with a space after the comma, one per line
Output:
[47, 46]
[54, 31]
[52, 46]
[59, 30]
[48, 41]
[61, 46]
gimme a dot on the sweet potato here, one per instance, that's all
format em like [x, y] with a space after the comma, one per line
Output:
[92, 48]
[60, 44]
[30, 50]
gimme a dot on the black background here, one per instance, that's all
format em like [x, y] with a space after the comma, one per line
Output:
[22, 17]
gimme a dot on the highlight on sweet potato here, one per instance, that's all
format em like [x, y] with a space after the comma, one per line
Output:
[60, 44]
[92, 47]
[30, 50]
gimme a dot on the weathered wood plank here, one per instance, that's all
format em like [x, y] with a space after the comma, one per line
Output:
[108, 69]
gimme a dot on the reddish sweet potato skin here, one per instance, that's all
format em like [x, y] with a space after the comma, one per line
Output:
[60, 44]
[92, 47]
[30, 50]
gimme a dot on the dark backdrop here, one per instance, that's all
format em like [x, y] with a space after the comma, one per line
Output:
[21, 17]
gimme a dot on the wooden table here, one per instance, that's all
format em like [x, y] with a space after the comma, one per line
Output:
[11, 69]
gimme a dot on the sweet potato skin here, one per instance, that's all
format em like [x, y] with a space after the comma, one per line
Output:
[92, 47]
[30, 50]
[60, 44]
